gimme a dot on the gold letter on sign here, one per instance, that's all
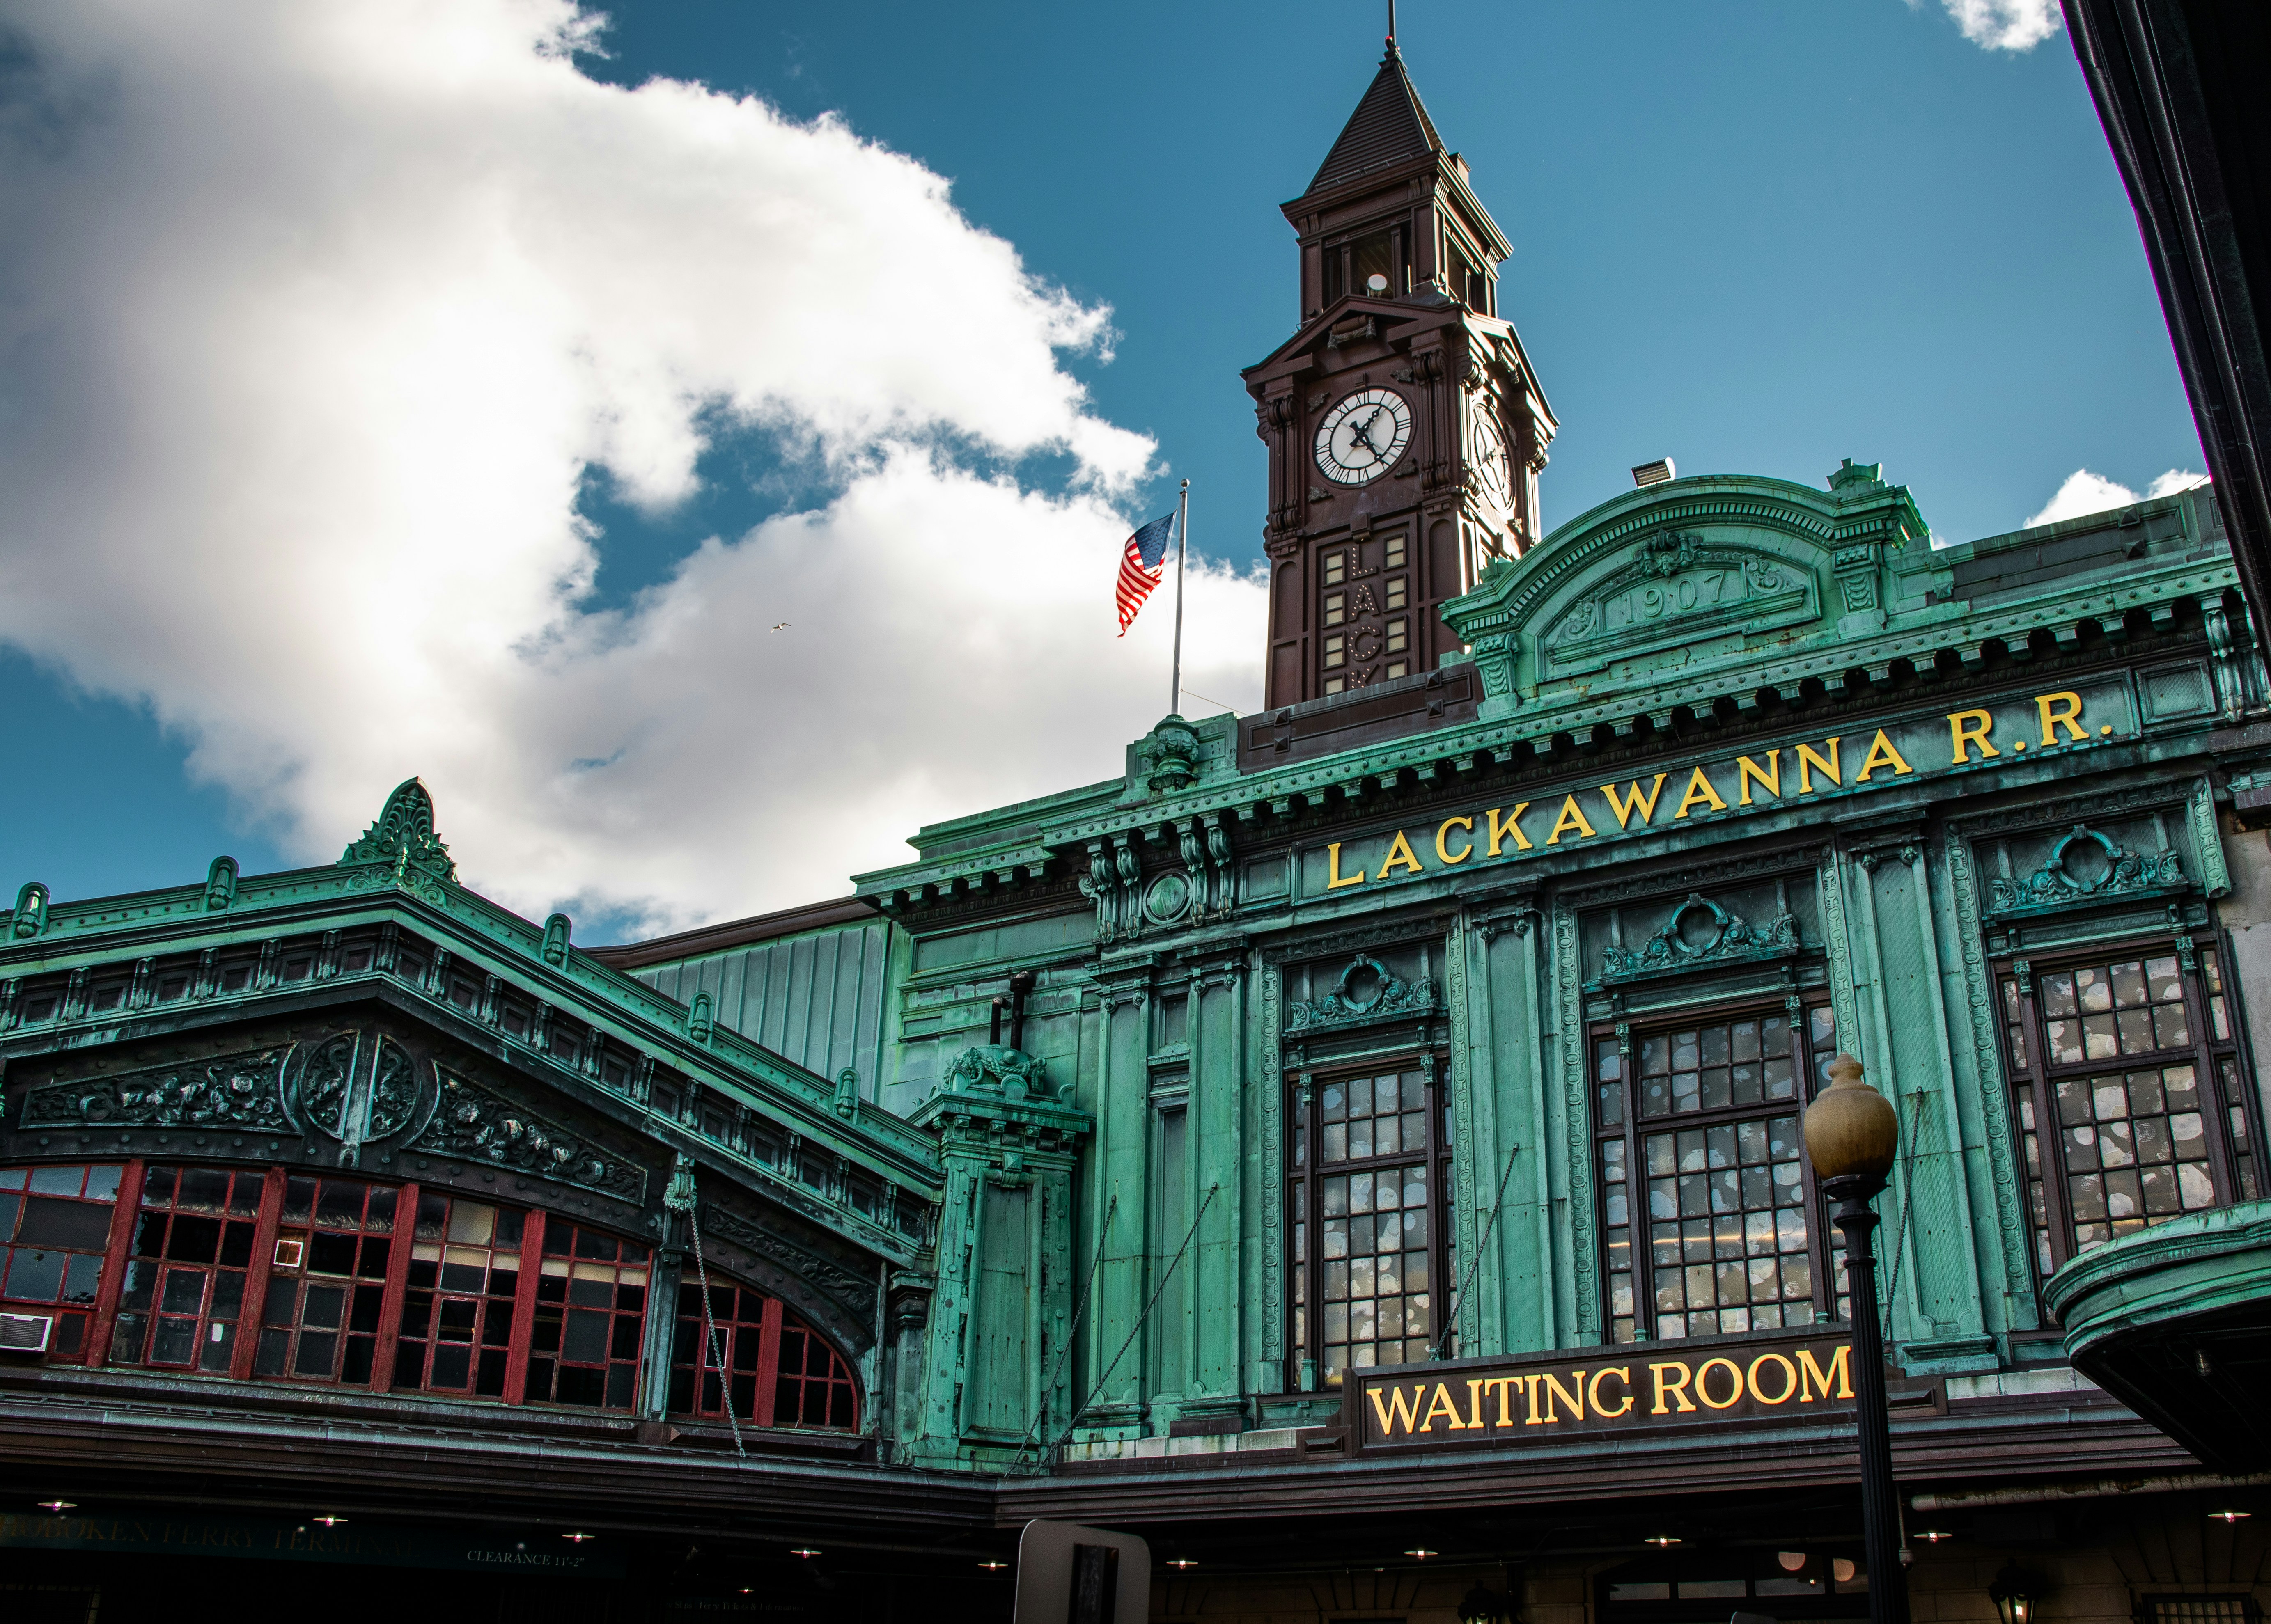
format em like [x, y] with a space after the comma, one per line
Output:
[1882, 753]
[1623, 1373]
[1699, 789]
[2067, 715]
[1511, 825]
[1810, 763]
[1551, 1383]
[1677, 1388]
[1570, 819]
[1442, 848]
[1788, 1379]
[1398, 1408]
[1635, 803]
[1333, 880]
[1442, 1405]
[1980, 724]
[1703, 1382]
[1399, 856]
[1769, 781]
[1809, 1372]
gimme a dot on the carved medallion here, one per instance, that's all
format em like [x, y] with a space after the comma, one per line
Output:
[1366, 990]
[2086, 866]
[324, 1088]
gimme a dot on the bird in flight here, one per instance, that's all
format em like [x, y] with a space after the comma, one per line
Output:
[783, 627]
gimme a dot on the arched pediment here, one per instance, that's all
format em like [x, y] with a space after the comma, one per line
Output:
[1686, 578]
[1685, 590]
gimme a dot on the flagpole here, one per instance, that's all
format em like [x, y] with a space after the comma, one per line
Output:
[1182, 545]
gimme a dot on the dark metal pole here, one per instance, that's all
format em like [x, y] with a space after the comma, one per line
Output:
[1182, 546]
[1880, 1528]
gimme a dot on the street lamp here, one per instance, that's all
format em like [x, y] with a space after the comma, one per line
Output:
[1851, 1137]
[1481, 1605]
[2015, 1591]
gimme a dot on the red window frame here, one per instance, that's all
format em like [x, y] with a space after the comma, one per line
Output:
[195, 1231]
[323, 1299]
[312, 1278]
[784, 1373]
[55, 1254]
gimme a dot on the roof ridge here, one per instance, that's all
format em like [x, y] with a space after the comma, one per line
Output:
[1390, 126]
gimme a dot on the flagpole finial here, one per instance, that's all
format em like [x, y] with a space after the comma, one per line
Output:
[1392, 52]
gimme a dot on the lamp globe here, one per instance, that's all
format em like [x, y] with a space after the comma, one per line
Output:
[1851, 1131]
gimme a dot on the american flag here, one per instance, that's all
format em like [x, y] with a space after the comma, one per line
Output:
[1142, 566]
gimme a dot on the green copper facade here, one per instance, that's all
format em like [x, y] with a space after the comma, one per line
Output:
[1742, 744]
[1722, 708]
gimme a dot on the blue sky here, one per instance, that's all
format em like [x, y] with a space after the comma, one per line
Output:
[1756, 237]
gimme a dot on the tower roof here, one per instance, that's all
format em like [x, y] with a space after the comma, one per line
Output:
[1390, 126]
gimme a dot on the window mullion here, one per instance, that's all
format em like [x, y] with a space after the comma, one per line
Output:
[2049, 1131]
[1441, 1215]
[523, 1306]
[398, 1281]
[254, 1315]
[769, 1341]
[1640, 1244]
[124, 1216]
[2218, 1125]
[1313, 1203]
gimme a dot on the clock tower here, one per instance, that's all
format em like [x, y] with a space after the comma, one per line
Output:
[1405, 427]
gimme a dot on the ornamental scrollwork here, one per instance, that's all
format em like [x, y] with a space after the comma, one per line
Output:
[2087, 866]
[477, 1125]
[1365, 990]
[996, 1069]
[325, 1083]
[396, 1091]
[404, 836]
[1699, 933]
[233, 1091]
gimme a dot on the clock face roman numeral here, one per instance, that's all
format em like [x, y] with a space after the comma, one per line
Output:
[1364, 436]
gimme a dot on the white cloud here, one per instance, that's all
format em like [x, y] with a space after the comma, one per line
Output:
[312, 320]
[2006, 25]
[2085, 492]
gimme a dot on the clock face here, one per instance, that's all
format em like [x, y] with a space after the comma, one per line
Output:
[1491, 471]
[1362, 437]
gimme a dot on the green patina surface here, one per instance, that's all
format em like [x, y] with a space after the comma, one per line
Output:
[2188, 1268]
[1524, 873]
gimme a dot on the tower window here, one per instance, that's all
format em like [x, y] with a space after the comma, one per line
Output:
[1351, 267]
[1395, 545]
[1336, 650]
[1333, 685]
[1335, 608]
[1335, 568]
[1396, 591]
[1398, 638]
[1397, 668]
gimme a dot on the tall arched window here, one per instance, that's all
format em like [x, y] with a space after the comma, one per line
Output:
[779, 1371]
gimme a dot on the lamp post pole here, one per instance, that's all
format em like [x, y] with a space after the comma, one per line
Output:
[1880, 1532]
[1853, 1135]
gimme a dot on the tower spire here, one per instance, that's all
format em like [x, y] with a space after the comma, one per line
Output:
[1392, 52]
